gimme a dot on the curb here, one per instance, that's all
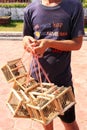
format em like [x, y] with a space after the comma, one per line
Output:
[19, 36]
[11, 35]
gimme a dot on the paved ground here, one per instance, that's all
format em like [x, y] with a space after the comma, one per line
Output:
[10, 50]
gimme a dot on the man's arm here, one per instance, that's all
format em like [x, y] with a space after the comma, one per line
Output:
[67, 45]
[63, 45]
[39, 46]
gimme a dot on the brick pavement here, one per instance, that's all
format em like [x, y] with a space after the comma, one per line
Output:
[10, 50]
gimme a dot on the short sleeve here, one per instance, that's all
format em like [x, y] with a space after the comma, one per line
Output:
[77, 21]
[27, 29]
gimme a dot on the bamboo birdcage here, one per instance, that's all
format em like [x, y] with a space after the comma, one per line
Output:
[42, 102]
[14, 69]
[46, 106]
[35, 100]
[25, 83]
[16, 103]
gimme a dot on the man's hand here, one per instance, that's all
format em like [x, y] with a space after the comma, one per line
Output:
[34, 46]
[40, 46]
[28, 41]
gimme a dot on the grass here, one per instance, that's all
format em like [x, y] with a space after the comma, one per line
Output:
[13, 26]
[85, 28]
[17, 26]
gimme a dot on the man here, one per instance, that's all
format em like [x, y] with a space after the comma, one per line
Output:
[52, 29]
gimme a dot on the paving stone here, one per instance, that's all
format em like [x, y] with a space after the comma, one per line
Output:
[6, 123]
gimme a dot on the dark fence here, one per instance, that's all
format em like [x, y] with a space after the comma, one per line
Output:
[9, 1]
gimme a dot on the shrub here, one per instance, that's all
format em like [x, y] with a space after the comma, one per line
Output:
[85, 5]
[12, 5]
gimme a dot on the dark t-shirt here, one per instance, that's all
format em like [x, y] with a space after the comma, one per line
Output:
[61, 22]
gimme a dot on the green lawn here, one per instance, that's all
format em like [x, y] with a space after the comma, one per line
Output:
[13, 26]
[85, 28]
[17, 26]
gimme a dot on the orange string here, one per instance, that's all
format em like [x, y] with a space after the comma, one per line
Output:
[43, 71]
[40, 68]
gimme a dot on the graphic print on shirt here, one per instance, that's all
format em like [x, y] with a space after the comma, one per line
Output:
[49, 30]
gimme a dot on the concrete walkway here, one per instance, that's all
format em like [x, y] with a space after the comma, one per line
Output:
[12, 49]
